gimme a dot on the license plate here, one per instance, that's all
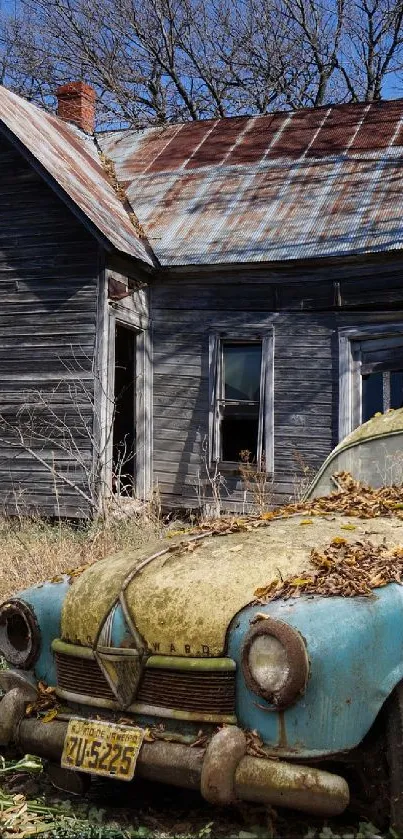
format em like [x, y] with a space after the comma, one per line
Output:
[102, 748]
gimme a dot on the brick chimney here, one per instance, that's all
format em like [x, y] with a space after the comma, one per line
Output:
[76, 103]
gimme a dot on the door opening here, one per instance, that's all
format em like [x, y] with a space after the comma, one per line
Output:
[124, 425]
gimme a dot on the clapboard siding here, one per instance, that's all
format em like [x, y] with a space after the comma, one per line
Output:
[306, 305]
[49, 267]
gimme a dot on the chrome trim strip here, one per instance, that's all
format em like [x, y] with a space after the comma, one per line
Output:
[168, 662]
[145, 710]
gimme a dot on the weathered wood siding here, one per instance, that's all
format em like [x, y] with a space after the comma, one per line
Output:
[49, 268]
[306, 305]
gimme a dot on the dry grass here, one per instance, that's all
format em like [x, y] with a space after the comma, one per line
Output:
[32, 550]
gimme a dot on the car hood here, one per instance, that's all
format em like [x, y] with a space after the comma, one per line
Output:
[183, 601]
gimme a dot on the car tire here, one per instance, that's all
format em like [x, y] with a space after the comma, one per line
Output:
[394, 754]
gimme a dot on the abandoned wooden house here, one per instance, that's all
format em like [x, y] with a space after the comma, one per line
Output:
[179, 299]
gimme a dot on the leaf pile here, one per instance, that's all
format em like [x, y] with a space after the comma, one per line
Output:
[344, 570]
[45, 706]
[352, 498]
[356, 499]
[21, 818]
[17, 821]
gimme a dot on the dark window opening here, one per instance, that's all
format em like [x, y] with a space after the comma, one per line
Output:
[240, 403]
[124, 427]
[381, 391]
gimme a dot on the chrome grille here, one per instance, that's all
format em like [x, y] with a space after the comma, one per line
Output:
[82, 675]
[211, 692]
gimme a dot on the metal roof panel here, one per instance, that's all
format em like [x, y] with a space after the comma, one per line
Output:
[72, 160]
[292, 185]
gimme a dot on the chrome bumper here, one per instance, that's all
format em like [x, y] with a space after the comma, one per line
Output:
[223, 772]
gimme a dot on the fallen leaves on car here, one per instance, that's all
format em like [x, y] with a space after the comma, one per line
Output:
[71, 574]
[344, 569]
[45, 706]
[352, 498]
[254, 744]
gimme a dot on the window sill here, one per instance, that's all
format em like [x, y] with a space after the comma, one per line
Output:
[227, 467]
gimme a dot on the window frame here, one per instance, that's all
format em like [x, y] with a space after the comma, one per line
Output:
[265, 442]
[350, 380]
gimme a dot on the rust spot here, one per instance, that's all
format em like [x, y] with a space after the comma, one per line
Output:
[282, 733]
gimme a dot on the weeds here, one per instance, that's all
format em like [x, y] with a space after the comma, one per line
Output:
[304, 477]
[256, 481]
[209, 485]
[33, 550]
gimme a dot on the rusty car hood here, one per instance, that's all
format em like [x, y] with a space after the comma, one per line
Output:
[183, 601]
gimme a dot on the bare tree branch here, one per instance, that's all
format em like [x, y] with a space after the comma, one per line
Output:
[160, 61]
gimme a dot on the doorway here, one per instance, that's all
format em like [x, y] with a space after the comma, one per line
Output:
[124, 425]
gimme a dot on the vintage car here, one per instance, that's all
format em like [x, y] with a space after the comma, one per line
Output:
[165, 664]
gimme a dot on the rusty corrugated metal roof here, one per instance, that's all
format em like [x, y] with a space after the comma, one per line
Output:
[311, 183]
[72, 160]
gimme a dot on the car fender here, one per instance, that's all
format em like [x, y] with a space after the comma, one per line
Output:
[46, 600]
[355, 650]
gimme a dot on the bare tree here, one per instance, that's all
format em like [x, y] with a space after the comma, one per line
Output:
[160, 61]
[373, 46]
[60, 432]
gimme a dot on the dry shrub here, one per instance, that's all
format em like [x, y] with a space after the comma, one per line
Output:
[256, 482]
[33, 550]
[304, 476]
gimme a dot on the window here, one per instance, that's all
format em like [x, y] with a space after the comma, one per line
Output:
[371, 373]
[381, 391]
[241, 400]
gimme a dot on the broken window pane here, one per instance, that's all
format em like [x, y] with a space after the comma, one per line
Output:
[372, 395]
[239, 431]
[124, 425]
[381, 391]
[396, 389]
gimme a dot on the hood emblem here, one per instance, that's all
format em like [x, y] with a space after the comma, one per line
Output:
[122, 667]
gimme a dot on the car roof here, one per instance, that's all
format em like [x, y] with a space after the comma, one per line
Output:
[380, 425]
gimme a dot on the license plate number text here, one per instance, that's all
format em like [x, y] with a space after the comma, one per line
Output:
[102, 748]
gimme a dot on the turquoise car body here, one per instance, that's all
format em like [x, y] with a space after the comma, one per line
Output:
[355, 652]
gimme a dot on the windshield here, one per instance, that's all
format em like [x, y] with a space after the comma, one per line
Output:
[377, 462]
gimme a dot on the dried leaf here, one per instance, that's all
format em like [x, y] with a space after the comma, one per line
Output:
[50, 715]
[300, 581]
[344, 570]
[259, 616]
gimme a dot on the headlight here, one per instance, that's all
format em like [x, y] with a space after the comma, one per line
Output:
[19, 634]
[275, 662]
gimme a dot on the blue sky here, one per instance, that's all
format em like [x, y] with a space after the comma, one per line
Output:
[392, 88]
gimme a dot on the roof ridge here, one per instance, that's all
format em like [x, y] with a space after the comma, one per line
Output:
[110, 172]
[285, 112]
